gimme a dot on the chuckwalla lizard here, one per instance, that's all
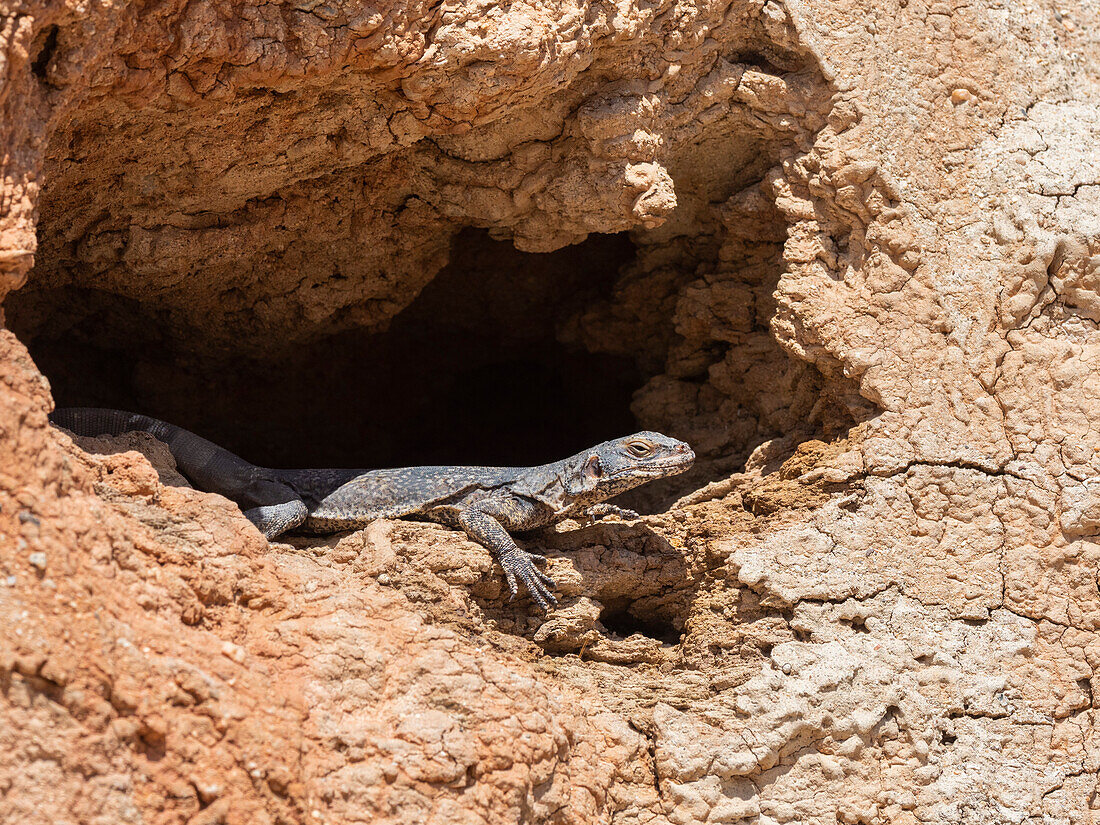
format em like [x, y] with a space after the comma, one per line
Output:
[487, 502]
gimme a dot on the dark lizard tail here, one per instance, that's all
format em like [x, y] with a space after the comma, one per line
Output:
[206, 465]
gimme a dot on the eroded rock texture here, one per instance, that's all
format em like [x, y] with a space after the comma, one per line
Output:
[848, 251]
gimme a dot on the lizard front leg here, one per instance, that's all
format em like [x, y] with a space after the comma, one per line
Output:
[518, 564]
[277, 509]
[603, 509]
[275, 519]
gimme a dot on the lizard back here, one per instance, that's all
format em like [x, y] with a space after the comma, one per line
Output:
[347, 498]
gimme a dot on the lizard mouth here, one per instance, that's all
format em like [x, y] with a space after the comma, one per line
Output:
[671, 466]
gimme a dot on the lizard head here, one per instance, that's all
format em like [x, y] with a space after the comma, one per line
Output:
[614, 467]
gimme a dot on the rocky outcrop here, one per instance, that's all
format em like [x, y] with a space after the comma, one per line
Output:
[849, 252]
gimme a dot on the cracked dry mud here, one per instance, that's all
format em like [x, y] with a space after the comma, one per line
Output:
[857, 268]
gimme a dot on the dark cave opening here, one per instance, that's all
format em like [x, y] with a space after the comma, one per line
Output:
[471, 372]
[504, 357]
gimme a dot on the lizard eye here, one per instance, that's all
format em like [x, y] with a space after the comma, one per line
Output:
[639, 449]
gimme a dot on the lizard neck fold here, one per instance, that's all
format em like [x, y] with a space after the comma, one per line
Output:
[549, 484]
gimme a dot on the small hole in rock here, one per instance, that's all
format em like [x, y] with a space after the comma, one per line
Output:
[44, 47]
[1085, 686]
[619, 619]
[857, 623]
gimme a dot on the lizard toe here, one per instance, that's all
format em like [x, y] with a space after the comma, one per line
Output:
[540, 584]
[510, 577]
[545, 578]
[541, 594]
[521, 565]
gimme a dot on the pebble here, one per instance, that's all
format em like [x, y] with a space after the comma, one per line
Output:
[209, 791]
[10, 581]
[960, 96]
[787, 669]
[26, 516]
[234, 652]
[37, 560]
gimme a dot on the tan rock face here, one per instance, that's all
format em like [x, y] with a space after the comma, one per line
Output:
[849, 252]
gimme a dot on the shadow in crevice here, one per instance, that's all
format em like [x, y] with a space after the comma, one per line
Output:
[470, 373]
[624, 618]
[44, 46]
[623, 610]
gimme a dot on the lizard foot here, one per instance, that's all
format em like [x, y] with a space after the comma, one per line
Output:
[519, 564]
[598, 511]
[275, 519]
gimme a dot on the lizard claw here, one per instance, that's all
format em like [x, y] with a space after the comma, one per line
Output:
[519, 564]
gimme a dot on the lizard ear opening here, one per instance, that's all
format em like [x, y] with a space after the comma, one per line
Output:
[593, 470]
[583, 480]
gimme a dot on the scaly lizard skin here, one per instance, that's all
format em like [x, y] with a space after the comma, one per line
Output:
[487, 502]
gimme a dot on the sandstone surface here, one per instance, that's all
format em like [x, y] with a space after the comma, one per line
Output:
[849, 250]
